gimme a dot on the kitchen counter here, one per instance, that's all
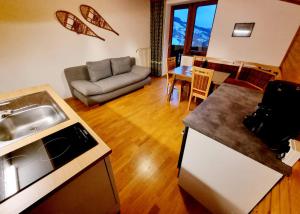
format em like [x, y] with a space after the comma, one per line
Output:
[221, 116]
[221, 163]
[41, 188]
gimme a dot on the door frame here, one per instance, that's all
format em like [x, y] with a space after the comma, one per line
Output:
[175, 7]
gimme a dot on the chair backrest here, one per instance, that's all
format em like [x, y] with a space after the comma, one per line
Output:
[257, 75]
[198, 60]
[201, 81]
[171, 63]
[187, 61]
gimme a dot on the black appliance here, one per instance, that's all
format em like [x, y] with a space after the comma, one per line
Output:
[25, 166]
[277, 118]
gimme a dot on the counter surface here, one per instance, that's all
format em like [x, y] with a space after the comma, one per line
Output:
[220, 117]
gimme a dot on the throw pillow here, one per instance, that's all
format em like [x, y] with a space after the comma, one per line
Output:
[99, 69]
[121, 65]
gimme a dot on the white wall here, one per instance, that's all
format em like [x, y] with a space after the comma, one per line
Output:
[276, 23]
[35, 48]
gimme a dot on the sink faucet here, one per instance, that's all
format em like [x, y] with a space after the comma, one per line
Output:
[5, 113]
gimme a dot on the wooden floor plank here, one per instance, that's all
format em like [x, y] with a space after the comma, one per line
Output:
[295, 189]
[284, 194]
[275, 200]
[144, 132]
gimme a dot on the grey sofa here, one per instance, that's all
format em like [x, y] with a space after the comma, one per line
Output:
[101, 81]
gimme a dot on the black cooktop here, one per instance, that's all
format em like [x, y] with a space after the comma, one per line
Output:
[25, 166]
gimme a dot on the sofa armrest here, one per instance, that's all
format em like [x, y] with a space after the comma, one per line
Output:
[76, 73]
[132, 61]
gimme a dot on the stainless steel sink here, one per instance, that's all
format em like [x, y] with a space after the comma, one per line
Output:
[30, 115]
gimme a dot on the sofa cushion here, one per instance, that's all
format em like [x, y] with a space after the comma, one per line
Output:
[121, 65]
[85, 87]
[121, 80]
[99, 69]
[140, 71]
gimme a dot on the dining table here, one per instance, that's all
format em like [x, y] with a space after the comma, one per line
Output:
[185, 73]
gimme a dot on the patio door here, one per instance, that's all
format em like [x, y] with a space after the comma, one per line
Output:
[190, 28]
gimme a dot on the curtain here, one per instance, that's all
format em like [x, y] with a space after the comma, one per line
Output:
[157, 18]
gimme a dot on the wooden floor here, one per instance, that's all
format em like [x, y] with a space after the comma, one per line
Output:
[144, 132]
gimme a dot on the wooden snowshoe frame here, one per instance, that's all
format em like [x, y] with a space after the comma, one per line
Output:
[93, 17]
[73, 23]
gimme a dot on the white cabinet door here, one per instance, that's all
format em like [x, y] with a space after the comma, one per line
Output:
[222, 179]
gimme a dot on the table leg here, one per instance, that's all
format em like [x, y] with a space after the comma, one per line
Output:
[171, 89]
[189, 86]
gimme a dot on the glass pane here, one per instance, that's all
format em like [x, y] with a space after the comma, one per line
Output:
[179, 26]
[203, 25]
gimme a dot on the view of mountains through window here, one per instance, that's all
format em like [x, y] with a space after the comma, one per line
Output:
[203, 25]
[179, 26]
[202, 28]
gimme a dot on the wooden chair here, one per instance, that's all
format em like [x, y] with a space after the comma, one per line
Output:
[254, 76]
[198, 60]
[171, 64]
[201, 81]
[270, 69]
[187, 61]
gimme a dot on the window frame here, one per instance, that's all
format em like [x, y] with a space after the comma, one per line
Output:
[192, 11]
[182, 6]
[178, 7]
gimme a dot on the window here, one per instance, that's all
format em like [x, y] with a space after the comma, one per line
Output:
[179, 23]
[179, 26]
[191, 27]
[202, 27]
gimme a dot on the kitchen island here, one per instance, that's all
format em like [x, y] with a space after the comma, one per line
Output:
[222, 164]
[85, 182]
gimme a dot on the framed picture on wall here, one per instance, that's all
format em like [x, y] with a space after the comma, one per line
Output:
[243, 29]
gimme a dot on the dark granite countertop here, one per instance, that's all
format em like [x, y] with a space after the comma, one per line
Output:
[220, 117]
